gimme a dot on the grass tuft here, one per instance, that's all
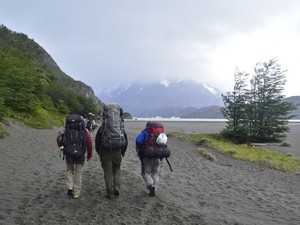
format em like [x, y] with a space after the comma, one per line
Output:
[205, 154]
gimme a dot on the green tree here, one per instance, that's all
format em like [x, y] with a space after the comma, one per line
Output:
[88, 105]
[62, 107]
[235, 109]
[258, 114]
[19, 82]
[127, 115]
[270, 114]
[2, 109]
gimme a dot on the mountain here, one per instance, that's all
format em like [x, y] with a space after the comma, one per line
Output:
[296, 101]
[183, 98]
[31, 81]
[165, 98]
[212, 112]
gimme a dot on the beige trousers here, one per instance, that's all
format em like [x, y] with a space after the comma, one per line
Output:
[74, 176]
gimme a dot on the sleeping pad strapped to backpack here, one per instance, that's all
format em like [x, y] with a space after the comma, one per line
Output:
[113, 135]
[75, 137]
[152, 149]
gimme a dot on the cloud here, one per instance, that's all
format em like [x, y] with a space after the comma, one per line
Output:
[107, 43]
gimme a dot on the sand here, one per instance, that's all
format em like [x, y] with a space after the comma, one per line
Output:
[199, 191]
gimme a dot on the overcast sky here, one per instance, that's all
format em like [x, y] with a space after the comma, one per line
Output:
[107, 43]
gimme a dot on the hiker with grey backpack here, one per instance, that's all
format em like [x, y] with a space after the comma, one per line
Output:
[111, 144]
[74, 142]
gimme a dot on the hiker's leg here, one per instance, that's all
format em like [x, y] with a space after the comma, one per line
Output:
[117, 159]
[142, 164]
[154, 172]
[70, 173]
[78, 178]
[106, 163]
[147, 164]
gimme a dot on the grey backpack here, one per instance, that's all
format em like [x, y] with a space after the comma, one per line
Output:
[113, 134]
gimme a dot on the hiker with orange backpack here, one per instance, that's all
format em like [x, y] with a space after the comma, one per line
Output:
[151, 147]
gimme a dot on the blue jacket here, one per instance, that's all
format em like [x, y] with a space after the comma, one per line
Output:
[142, 139]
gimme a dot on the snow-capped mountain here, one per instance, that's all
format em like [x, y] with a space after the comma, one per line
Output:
[157, 98]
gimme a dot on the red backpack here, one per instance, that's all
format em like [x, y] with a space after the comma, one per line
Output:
[153, 150]
[155, 128]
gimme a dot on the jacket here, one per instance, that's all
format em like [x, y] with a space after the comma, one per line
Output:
[141, 142]
[142, 139]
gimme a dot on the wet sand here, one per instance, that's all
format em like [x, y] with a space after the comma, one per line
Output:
[197, 192]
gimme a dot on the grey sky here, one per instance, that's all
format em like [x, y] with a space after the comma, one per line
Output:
[106, 43]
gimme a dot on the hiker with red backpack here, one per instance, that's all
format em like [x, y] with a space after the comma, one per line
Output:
[111, 144]
[151, 147]
[75, 141]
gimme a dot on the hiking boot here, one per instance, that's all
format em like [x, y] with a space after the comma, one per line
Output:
[76, 196]
[70, 192]
[152, 192]
[108, 194]
[116, 193]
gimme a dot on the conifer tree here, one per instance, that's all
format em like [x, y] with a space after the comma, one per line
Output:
[258, 114]
[270, 114]
[235, 109]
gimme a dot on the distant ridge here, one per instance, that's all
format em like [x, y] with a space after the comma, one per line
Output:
[184, 99]
[165, 98]
[295, 100]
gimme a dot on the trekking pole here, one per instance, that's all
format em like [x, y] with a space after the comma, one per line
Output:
[169, 165]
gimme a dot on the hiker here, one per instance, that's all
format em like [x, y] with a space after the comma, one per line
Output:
[111, 144]
[94, 126]
[151, 149]
[75, 141]
[90, 121]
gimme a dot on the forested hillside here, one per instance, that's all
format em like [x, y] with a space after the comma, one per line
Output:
[33, 87]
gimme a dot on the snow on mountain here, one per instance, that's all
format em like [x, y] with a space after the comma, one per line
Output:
[212, 90]
[179, 80]
[126, 86]
[166, 83]
[141, 98]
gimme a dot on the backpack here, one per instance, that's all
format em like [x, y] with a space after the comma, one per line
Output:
[75, 137]
[152, 149]
[113, 131]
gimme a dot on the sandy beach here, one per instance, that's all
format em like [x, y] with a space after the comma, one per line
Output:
[197, 192]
